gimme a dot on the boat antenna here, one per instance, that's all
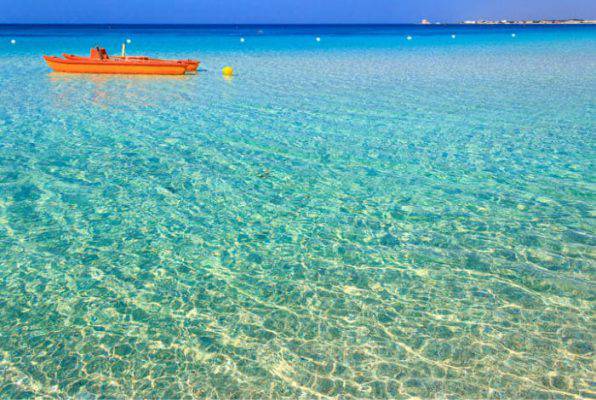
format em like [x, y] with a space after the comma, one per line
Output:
[123, 50]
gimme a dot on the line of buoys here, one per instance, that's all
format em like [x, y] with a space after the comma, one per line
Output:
[453, 36]
[229, 71]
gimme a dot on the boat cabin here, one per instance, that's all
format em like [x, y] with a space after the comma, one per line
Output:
[99, 53]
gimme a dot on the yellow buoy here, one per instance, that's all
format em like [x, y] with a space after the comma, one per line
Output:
[227, 71]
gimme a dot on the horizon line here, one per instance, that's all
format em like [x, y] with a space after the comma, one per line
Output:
[223, 23]
[257, 23]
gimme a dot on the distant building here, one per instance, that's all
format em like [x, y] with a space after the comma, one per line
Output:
[425, 22]
[532, 22]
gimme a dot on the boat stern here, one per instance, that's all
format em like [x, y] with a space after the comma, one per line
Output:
[192, 65]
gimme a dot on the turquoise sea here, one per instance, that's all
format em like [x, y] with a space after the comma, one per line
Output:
[363, 216]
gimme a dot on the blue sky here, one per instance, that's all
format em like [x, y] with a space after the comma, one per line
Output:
[285, 11]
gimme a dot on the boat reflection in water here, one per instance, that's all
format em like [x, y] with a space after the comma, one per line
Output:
[116, 91]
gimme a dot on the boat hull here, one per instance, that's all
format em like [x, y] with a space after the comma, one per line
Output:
[115, 67]
[191, 65]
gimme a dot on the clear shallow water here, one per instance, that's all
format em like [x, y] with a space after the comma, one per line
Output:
[361, 217]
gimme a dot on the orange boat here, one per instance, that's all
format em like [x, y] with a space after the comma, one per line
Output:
[100, 63]
[191, 65]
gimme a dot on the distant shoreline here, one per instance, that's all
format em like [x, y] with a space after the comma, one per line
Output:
[533, 22]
